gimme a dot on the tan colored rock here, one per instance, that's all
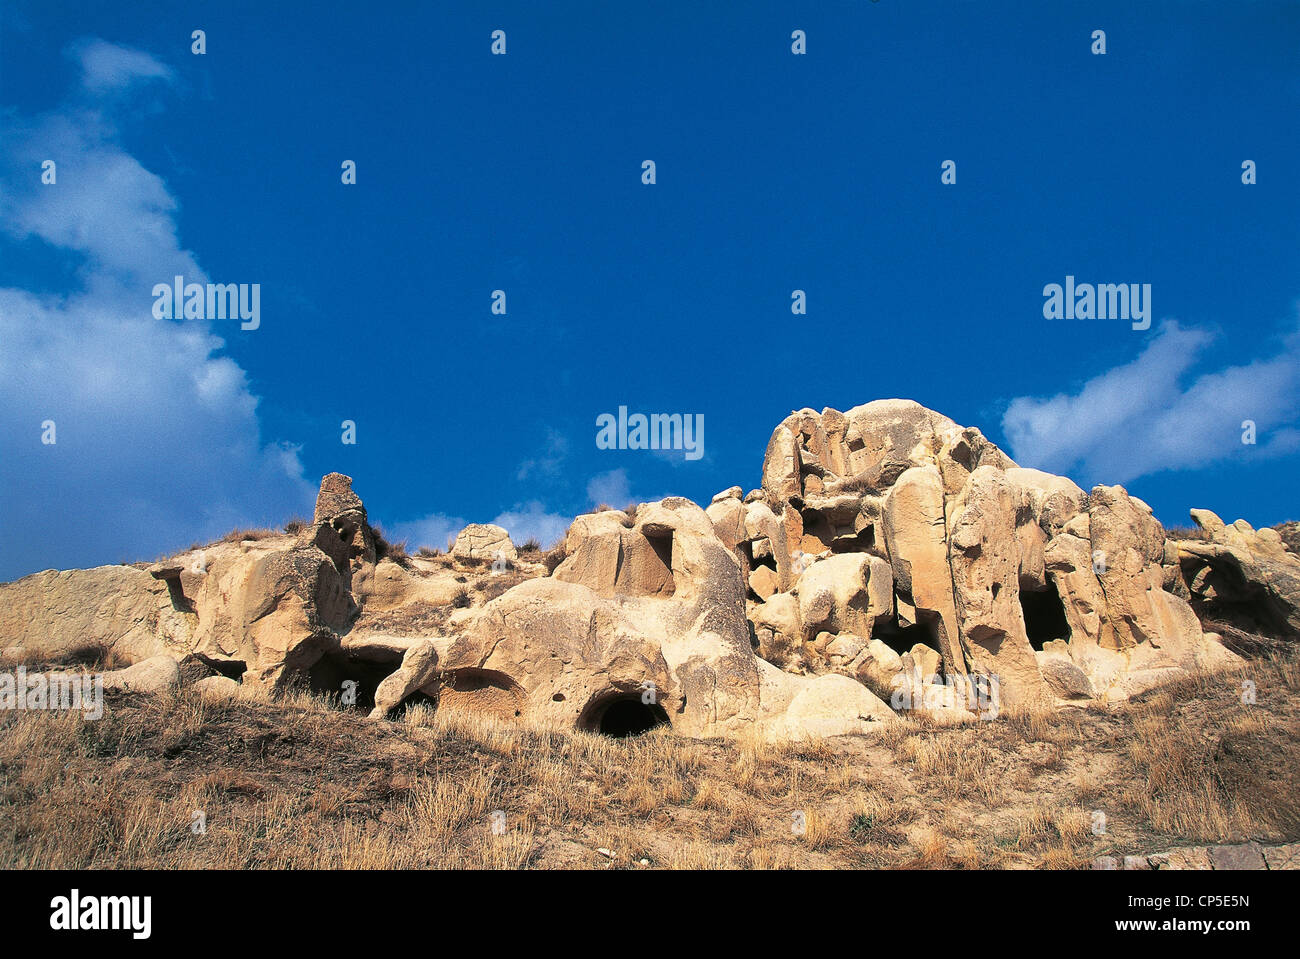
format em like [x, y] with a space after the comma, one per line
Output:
[985, 569]
[157, 674]
[916, 539]
[799, 707]
[833, 596]
[763, 581]
[727, 494]
[926, 660]
[216, 689]
[53, 615]
[419, 668]
[484, 541]
[1245, 568]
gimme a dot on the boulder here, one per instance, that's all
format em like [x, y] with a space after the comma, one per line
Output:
[484, 541]
[157, 674]
[419, 668]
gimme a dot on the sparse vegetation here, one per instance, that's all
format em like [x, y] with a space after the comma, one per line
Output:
[301, 782]
[240, 535]
[395, 552]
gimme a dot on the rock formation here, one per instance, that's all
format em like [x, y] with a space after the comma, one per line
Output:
[889, 555]
[892, 523]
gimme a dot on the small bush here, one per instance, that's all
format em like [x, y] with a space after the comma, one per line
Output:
[1186, 532]
[531, 546]
[295, 525]
[426, 553]
[396, 552]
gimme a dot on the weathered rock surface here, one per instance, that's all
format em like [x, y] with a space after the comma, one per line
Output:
[1242, 576]
[484, 541]
[888, 550]
[157, 674]
[646, 617]
[991, 562]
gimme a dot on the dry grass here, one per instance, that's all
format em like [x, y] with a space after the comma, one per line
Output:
[298, 783]
[240, 535]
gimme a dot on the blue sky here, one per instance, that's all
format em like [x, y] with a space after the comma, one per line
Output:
[522, 172]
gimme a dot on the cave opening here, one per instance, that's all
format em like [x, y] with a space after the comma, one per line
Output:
[623, 715]
[1044, 615]
[328, 676]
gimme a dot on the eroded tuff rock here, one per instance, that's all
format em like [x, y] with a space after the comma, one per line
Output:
[484, 541]
[644, 618]
[1238, 576]
[978, 566]
[889, 551]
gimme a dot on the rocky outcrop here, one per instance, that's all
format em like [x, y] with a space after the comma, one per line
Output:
[643, 623]
[1240, 576]
[890, 556]
[993, 570]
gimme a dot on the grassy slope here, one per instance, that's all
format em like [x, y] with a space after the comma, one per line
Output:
[299, 784]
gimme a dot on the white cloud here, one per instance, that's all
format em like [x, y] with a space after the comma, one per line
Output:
[532, 521]
[611, 488]
[549, 463]
[437, 530]
[157, 432]
[106, 66]
[1153, 413]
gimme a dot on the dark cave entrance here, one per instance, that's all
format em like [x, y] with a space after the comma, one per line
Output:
[328, 675]
[1044, 615]
[622, 715]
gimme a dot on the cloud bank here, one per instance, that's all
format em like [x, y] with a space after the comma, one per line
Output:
[1159, 412]
[157, 439]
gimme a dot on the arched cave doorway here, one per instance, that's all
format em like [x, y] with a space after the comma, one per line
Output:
[620, 715]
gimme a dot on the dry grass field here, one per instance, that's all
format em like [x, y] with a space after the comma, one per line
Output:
[300, 783]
